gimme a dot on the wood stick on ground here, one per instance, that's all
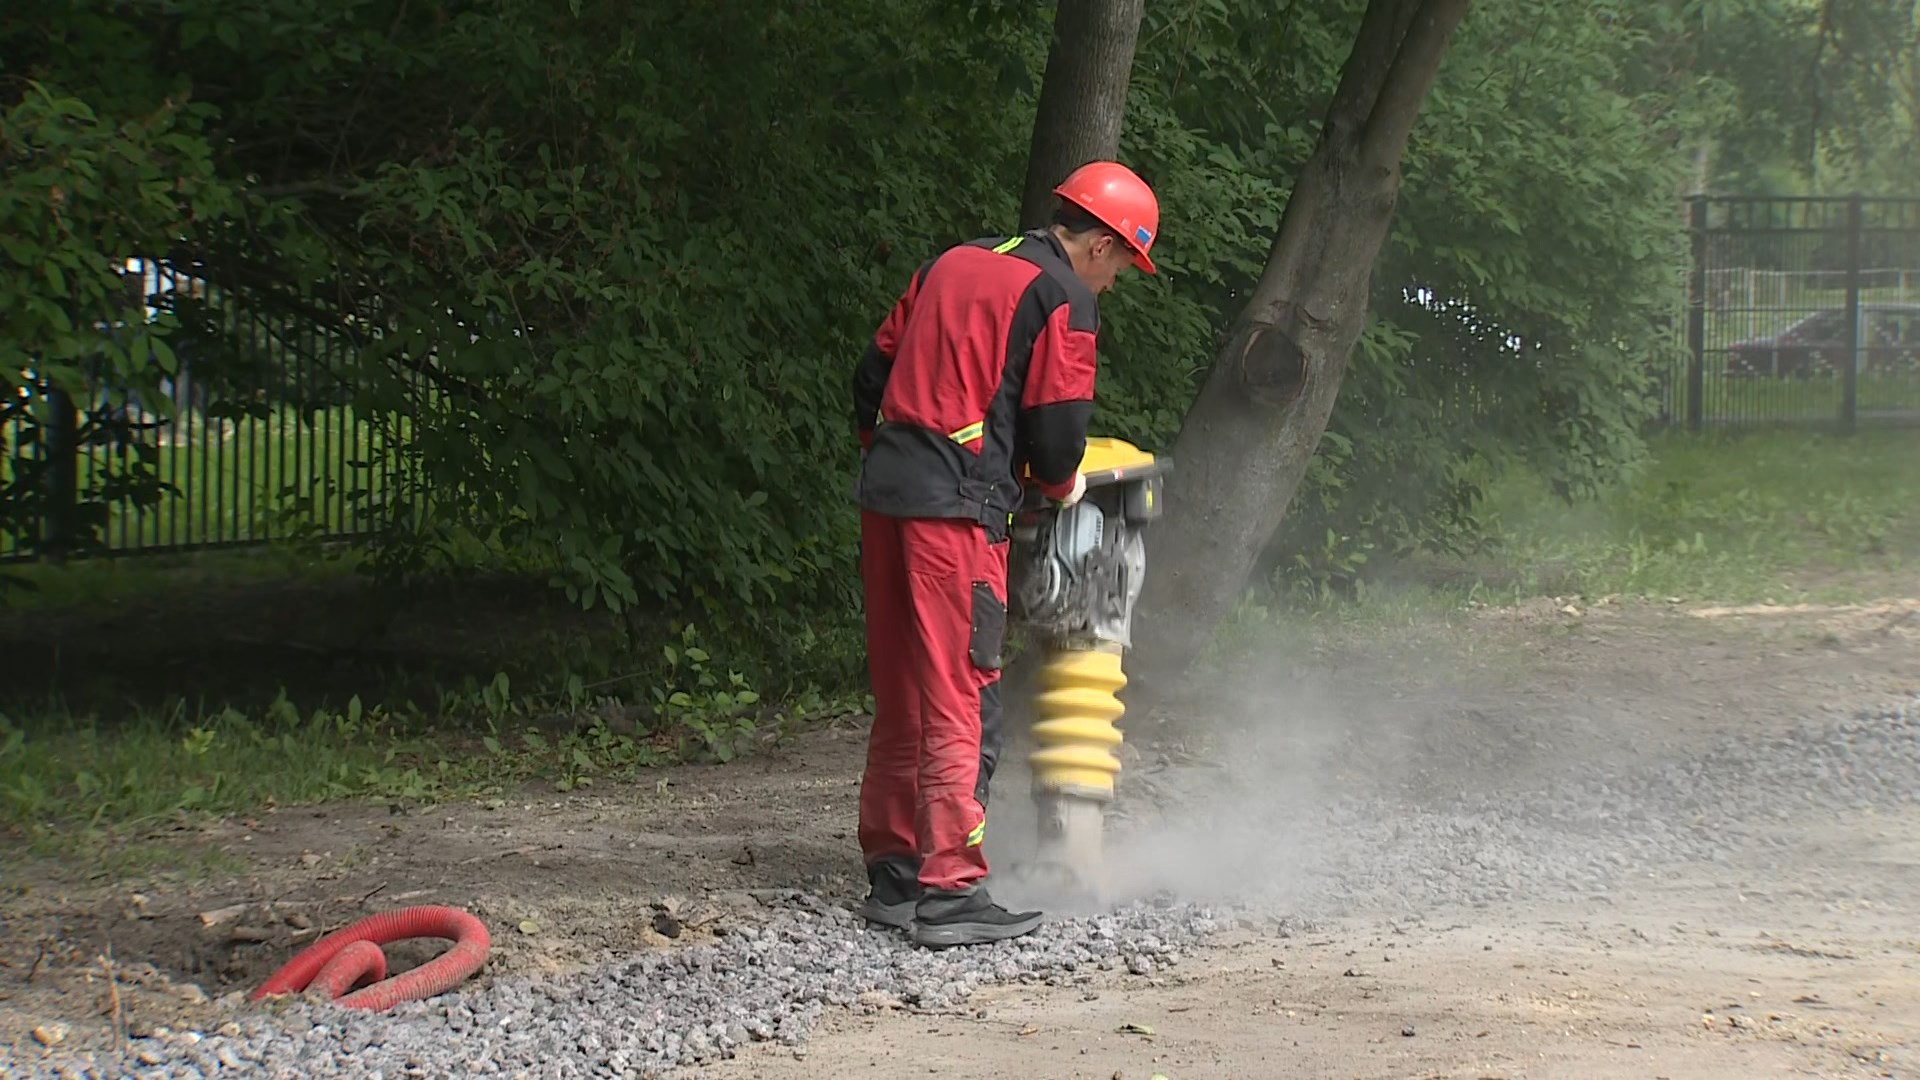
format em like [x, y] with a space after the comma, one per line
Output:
[118, 1016]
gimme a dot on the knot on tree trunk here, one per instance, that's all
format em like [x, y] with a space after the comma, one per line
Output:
[1271, 366]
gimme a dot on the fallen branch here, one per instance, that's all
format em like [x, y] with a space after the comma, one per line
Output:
[117, 1017]
[224, 915]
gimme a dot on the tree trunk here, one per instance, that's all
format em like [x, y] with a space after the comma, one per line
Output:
[1083, 96]
[1083, 100]
[1247, 440]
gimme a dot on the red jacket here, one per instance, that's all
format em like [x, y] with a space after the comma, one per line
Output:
[985, 365]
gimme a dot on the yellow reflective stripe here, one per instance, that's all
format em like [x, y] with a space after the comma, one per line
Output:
[1007, 245]
[978, 834]
[964, 435]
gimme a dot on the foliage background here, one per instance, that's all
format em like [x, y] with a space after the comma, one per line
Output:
[605, 267]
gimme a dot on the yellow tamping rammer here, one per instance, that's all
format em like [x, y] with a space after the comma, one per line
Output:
[1074, 576]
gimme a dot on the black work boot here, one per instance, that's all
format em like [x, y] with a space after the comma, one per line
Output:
[893, 887]
[969, 917]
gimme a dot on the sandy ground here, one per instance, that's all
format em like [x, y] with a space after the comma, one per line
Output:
[1688, 979]
[1739, 968]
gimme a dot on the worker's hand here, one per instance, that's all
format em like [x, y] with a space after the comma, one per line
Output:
[1079, 489]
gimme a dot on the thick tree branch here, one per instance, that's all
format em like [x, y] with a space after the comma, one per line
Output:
[1414, 68]
[1369, 61]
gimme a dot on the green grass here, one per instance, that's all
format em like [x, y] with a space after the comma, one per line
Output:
[88, 781]
[1727, 517]
[62, 774]
[1748, 517]
[88, 785]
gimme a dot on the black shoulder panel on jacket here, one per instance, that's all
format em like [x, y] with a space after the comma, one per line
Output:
[1043, 249]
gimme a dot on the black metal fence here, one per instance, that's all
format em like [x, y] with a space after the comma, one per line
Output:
[1802, 311]
[251, 440]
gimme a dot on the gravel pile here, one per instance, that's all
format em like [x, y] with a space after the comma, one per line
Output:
[681, 1007]
[771, 981]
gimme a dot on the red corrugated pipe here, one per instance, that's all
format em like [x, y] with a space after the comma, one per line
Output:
[361, 962]
[352, 955]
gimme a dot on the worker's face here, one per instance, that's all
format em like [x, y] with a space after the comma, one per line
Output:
[1105, 258]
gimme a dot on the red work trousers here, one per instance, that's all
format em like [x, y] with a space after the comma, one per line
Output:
[936, 603]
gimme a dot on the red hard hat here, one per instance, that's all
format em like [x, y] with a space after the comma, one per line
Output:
[1121, 200]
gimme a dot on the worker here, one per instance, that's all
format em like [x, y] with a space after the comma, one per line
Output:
[984, 367]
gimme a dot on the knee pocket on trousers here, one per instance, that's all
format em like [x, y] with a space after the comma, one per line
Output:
[989, 634]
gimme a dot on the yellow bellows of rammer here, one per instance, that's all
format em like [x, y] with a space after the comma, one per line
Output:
[1075, 736]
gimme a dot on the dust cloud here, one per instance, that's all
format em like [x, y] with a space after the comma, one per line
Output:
[1234, 810]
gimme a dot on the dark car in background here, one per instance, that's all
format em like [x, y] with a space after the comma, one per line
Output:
[1817, 345]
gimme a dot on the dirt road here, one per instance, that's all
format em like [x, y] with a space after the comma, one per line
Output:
[1748, 935]
[1691, 977]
